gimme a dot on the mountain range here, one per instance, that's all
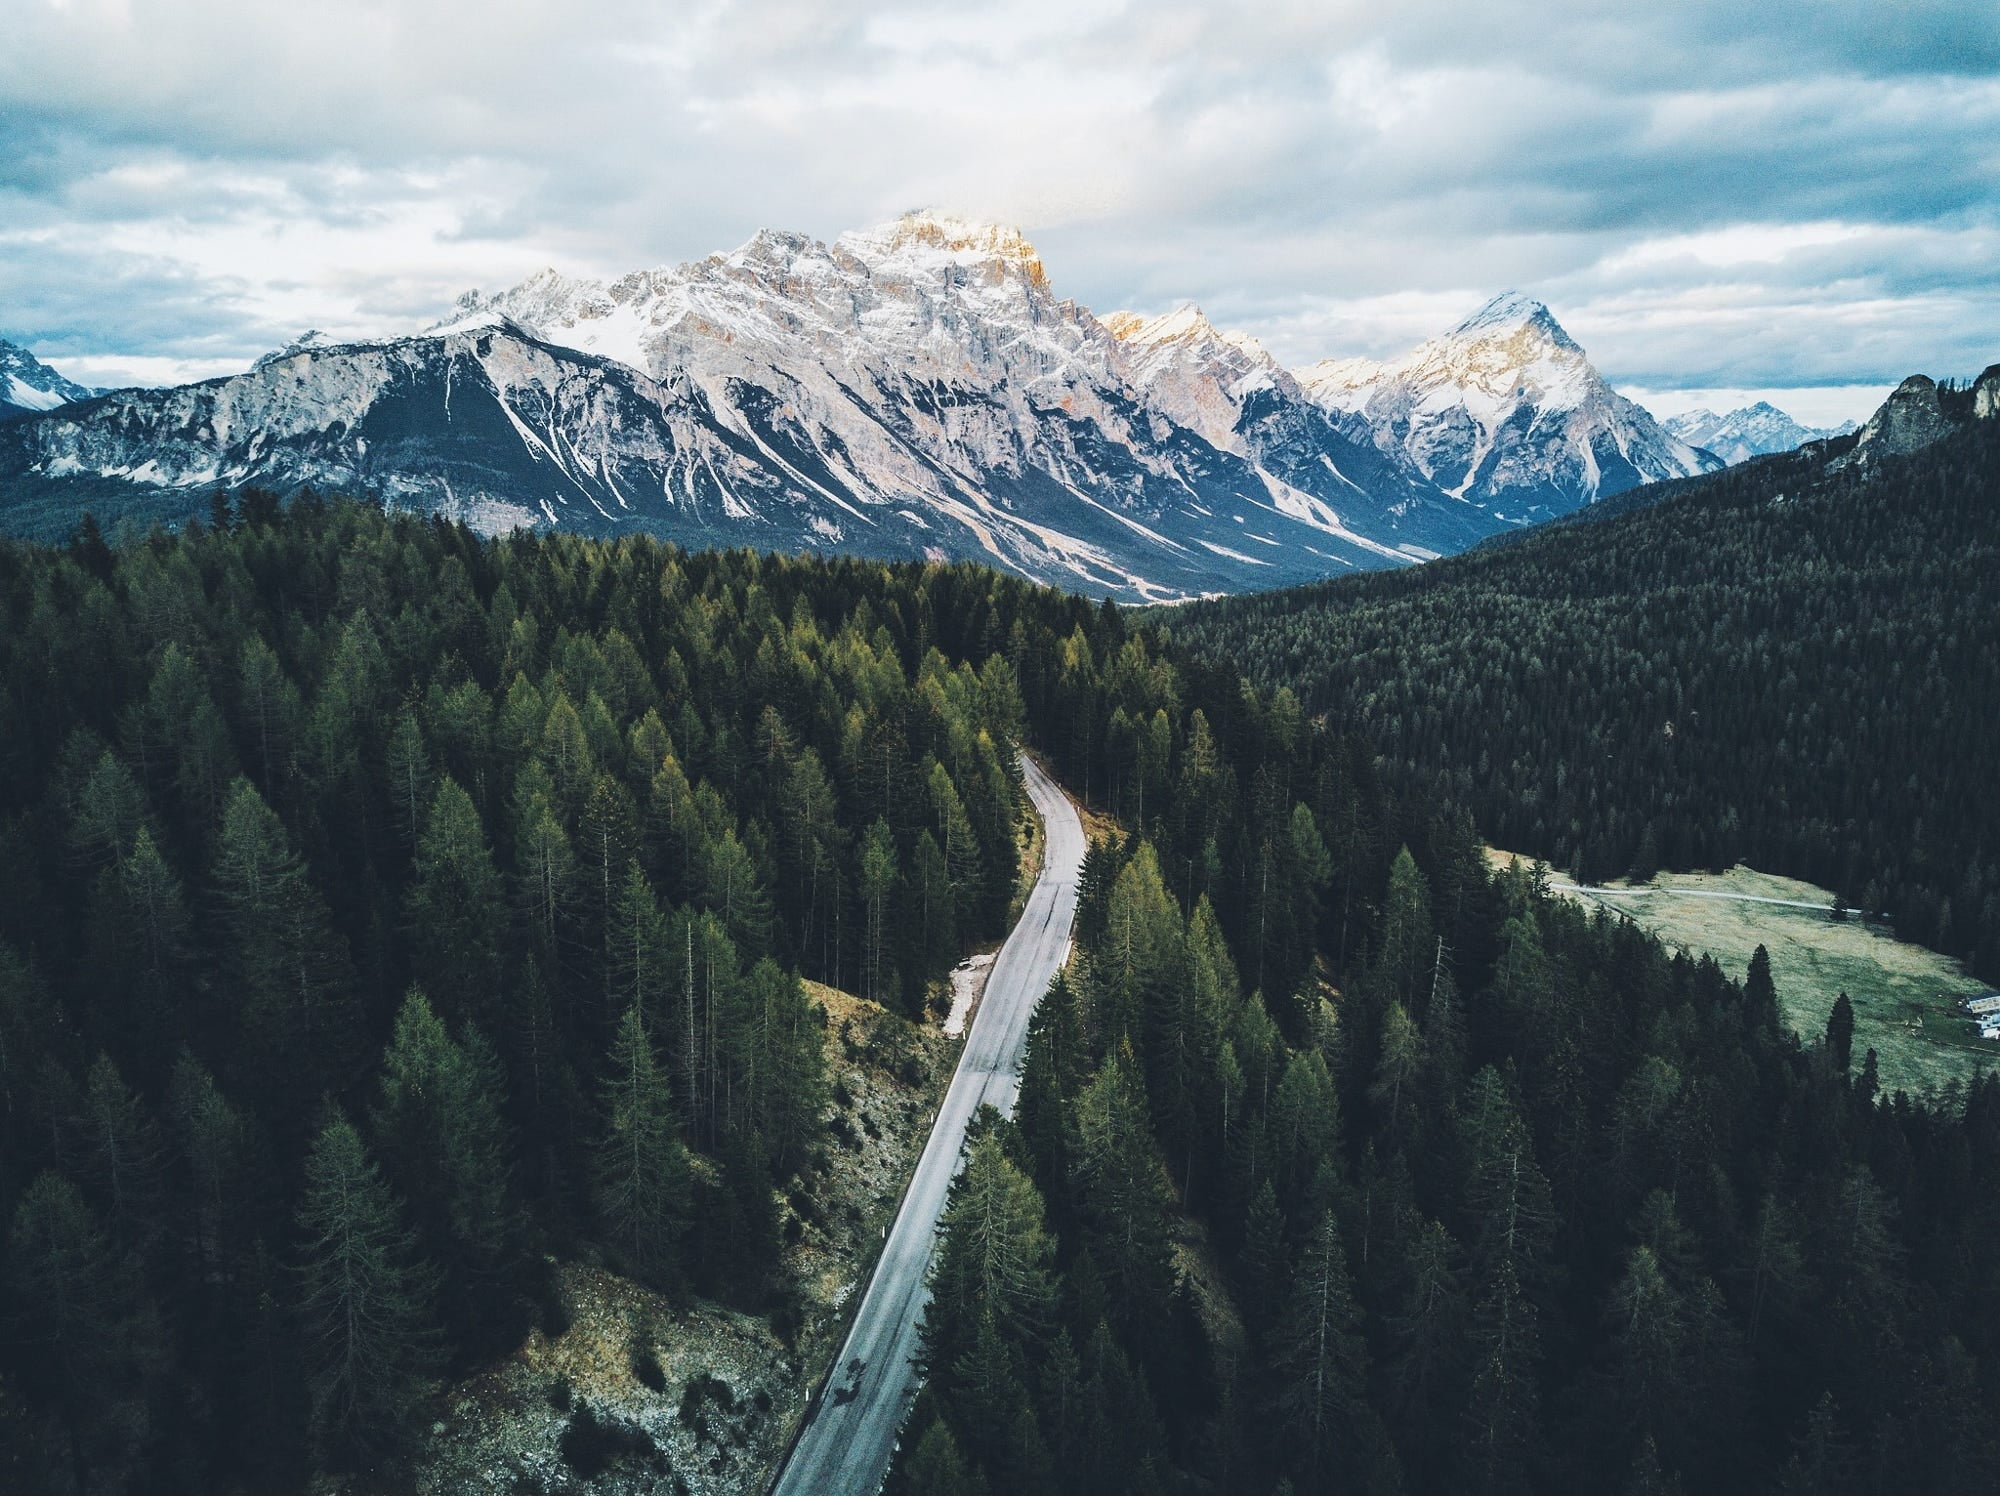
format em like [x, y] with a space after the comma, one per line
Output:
[913, 390]
[1752, 431]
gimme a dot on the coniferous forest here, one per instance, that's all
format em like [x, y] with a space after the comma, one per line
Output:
[1780, 666]
[385, 911]
[389, 910]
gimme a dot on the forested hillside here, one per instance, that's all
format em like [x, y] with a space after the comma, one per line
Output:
[1782, 665]
[382, 910]
[388, 909]
[1514, 1202]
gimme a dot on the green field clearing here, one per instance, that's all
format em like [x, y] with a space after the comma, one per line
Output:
[1905, 996]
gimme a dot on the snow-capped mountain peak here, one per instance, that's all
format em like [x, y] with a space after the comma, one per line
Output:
[924, 239]
[28, 385]
[911, 389]
[1194, 372]
[1751, 431]
[1509, 315]
[1504, 410]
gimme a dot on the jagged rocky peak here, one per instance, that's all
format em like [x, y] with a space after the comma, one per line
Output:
[1505, 410]
[1184, 336]
[1512, 315]
[1512, 344]
[999, 250]
[1909, 420]
[1194, 372]
[1186, 324]
[1333, 381]
[312, 340]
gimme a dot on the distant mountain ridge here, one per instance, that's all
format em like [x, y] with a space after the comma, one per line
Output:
[1750, 431]
[912, 390]
[28, 386]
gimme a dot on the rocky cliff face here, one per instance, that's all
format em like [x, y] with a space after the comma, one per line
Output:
[1986, 394]
[1505, 411]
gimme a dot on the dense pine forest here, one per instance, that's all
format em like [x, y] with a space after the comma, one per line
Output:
[1780, 666]
[1344, 1164]
[384, 911]
[388, 911]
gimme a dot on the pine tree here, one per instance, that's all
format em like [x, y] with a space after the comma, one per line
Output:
[1760, 994]
[455, 909]
[1403, 962]
[214, 1143]
[1320, 1365]
[78, 1302]
[1428, 1331]
[878, 883]
[123, 1157]
[438, 1125]
[1503, 1413]
[938, 1468]
[1264, 1268]
[993, 1258]
[1397, 1069]
[936, 925]
[1121, 1188]
[410, 778]
[641, 1169]
[365, 1305]
[287, 965]
[783, 1061]
[1840, 1033]
[639, 961]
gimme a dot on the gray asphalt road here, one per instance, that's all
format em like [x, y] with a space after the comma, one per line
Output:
[847, 1444]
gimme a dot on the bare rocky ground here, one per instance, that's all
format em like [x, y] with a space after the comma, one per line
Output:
[641, 1396]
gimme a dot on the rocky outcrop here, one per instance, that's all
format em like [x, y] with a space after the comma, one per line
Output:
[1909, 420]
[1916, 415]
[1986, 394]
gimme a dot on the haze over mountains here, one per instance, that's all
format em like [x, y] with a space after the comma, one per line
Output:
[1752, 431]
[917, 389]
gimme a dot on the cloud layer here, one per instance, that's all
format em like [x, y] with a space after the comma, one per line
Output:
[1711, 196]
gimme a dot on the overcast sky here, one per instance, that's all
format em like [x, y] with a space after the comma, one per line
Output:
[1715, 198]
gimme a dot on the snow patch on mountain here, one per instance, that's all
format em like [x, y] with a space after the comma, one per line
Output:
[1196, 374]
[1505, 411]
[29, 386]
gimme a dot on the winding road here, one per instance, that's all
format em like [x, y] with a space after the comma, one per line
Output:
[850, 1433]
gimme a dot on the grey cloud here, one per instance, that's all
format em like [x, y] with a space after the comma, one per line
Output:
[1319, 173]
